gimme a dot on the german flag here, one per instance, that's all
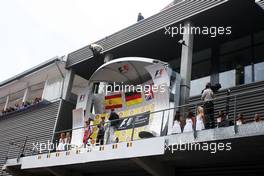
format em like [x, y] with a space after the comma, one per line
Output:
[133, 98]
[113, 101]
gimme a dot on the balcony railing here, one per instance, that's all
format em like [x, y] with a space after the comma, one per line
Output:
[232, 107]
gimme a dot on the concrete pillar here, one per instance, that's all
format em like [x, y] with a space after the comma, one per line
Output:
[7, 102]
[26, 94]
[44, 89]
[67, 84]
[186, 65]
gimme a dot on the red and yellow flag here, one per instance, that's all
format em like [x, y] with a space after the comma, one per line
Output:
[133, 98]
[113, 101]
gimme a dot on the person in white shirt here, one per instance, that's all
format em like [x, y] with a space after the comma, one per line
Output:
[207, 97]
[240, 119]
[200, 119]
[177, 125]
[62, 142]
[189, 123]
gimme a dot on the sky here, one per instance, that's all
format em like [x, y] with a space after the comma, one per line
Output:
[33, 31]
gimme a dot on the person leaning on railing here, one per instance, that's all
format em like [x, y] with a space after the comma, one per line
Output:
[200, 121]
[177, 124]
[190, 121]
[88, 132]
[207, 97]
[62, 142]
[257, 118]
[101, 132]
[240, 119]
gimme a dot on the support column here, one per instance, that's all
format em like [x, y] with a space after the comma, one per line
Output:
[26, 94]
[186, 65]
[7, 102]
[67, 84]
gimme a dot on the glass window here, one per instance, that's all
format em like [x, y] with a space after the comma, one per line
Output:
[233, 60]
[235, 45]
[259, 53]
[248, 74]
[259, 37]
[259, 71]
[52, 89]
[227, 79]
[198, 85]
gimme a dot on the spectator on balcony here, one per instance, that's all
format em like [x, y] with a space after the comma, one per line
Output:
[37, 100]
[62, 142]
[25, 104]
[207, 97]
[240, 119]
[220, 119]
[200, 120]
[88, 132]
[257, 118]
[101, 132]
[10, 109]
[17, 106]
[189, 124]
[177, 124]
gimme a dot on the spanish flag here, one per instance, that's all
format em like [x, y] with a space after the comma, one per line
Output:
[133, 98]
[113, 101]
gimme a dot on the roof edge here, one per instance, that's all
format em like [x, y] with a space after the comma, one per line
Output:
[31, 70]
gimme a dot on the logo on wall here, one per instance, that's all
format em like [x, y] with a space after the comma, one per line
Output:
[82, 97]
[159, 73]
[149, 93]
[134, 121]
[123, 69]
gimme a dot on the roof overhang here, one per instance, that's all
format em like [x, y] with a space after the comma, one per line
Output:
[38, 74]
[147, 38]
[129, 70]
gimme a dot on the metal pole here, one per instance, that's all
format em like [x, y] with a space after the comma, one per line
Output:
[162, 123]
[21, 153]
[235, 109]
[133, 129]
[194, 126]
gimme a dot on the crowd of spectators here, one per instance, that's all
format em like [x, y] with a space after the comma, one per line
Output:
[21, 106]
[205, 117]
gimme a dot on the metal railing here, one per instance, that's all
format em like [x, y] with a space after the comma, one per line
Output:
[230, 110]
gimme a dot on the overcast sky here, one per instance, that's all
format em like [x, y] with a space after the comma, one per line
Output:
[32, 31]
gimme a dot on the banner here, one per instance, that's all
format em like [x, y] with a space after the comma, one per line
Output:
[134, 121]
[124, 132]
[113, 101]
[161, 82]
[133, 98]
